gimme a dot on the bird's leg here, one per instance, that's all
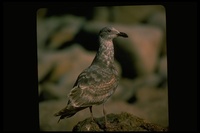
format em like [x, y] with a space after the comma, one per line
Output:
[91, 113]
[104, 112]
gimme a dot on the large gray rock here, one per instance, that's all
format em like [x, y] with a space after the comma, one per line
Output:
[62, 68]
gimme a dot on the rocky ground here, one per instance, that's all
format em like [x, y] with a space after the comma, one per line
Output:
[67, 44]
[118, 122]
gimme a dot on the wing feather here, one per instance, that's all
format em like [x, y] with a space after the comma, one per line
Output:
[93, 86]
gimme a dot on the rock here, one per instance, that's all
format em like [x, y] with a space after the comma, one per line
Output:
[70, 27]
[45, 67]
[121, 14]
[58, 70]
[125, 90]
[158, 19]
[128, 88]
[143, 47]
[75, 59]
[118, 122]
[45, 27]
[140, 50]
[54, 31]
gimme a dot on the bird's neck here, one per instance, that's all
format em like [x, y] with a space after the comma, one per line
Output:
[105, 54]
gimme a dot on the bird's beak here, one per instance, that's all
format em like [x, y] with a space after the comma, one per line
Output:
[122, 34]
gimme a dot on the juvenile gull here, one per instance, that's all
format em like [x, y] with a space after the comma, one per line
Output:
[98, 82]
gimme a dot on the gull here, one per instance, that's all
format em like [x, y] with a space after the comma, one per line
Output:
[98, 82]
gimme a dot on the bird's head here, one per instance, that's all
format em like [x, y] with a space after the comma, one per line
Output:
[111, 33]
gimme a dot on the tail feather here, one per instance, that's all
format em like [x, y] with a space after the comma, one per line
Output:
[68, 112]
[58, 120]
[65, 113]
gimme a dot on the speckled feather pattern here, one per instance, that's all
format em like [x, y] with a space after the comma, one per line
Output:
[99, 81]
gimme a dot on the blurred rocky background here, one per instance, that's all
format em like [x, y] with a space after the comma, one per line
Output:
[67, 41]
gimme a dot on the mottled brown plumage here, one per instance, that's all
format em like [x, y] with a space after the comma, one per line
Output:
[99, 81]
